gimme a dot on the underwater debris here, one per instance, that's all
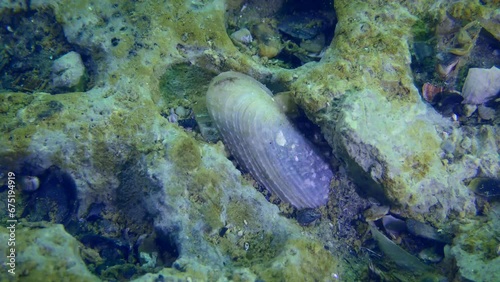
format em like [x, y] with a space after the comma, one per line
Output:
[429, 91]
[397, 254]
[426, 231]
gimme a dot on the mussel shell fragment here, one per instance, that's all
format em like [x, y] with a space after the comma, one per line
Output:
[393, 225]
[423, 230]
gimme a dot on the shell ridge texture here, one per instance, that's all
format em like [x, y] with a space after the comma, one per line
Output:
[265, 142]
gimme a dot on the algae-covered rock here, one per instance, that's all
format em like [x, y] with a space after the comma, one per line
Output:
[46, 251]
[476, 249]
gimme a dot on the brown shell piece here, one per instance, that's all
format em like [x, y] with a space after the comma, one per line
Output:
[429, 91]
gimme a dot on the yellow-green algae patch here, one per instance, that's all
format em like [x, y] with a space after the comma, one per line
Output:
[23, 115]
[301, 259]
[185, 153]
[48, 251]
[363, 52]
[205, 191]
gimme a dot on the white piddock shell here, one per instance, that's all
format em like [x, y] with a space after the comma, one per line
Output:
[265, 143]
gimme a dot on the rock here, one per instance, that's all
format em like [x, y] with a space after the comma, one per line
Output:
[269, 40]
[430, 255]
[474, 249]
[46, 250]
[481, 85]
[361, 93]
[68, 72]
[30, 183]
[485, 113]
[375, 212]
[423, 230]
[243, 36]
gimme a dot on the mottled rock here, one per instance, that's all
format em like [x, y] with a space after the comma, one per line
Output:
[68, 72]
[481, 85]
[242, 35]
[45, 251]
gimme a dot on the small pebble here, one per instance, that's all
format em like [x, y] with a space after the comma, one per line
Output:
[466, 143]
[448, 146]
[181, 112]
[485, 113]
[243, 35]
[469, 110]
[30, 183]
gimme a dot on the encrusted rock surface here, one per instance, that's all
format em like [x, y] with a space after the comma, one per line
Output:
[46, 251]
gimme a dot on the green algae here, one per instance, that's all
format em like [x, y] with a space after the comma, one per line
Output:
[300, 260]
[185, 153]
[205, 191]
[183, 84]
[46, 250]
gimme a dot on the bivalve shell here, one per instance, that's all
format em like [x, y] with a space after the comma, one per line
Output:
[264, 142]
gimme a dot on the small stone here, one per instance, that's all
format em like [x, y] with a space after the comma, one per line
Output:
[243, 35]
[469, 110]
[485, 113]
[307, 216]
[375, 212]
[68, 72]
[30, 183]
[430, 255]
[269, 51]
[466, 143]
[481, 85]
[423, 230]
[448, 146]
[181, 112]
